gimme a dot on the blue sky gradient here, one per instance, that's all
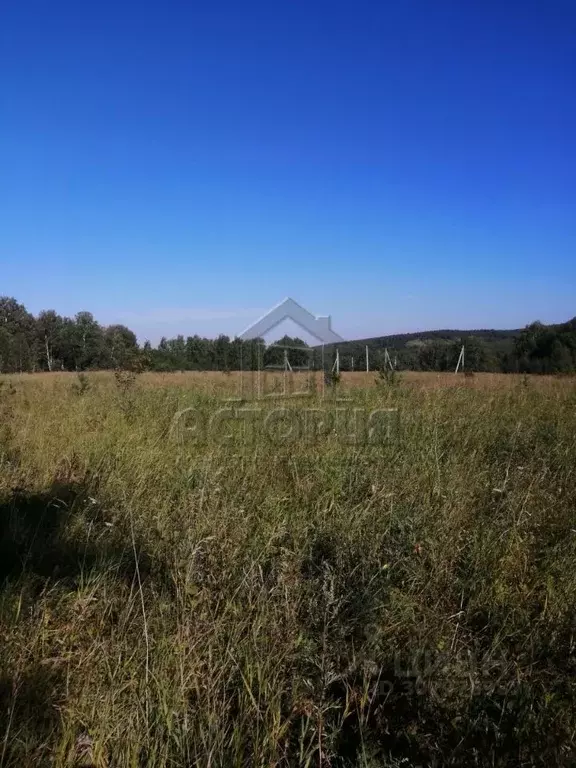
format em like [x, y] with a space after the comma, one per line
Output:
[182, 166]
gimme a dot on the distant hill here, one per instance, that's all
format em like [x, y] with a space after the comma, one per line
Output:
[431, 350]
[537, 348]
[402, 340]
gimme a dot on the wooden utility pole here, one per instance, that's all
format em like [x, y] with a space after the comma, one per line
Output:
[387, 359]
[460, 362]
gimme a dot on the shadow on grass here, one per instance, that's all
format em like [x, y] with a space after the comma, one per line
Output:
[405, 727]
[61, 534]
[29, 716]
[52, 540]
[506, 705]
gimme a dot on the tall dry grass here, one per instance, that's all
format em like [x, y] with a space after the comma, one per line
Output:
[176, 602]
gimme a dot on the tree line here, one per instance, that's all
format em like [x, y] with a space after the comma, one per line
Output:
[537, 348]
[51, 342]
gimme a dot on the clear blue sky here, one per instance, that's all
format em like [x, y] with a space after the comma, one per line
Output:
[181, 166]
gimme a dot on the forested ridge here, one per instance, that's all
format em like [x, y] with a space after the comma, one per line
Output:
[537, 348]
[49, 342]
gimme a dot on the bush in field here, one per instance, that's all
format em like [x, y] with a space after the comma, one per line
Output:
[82, 384]
[387, 377]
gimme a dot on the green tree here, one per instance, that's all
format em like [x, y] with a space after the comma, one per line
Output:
[18, 343]
[86, 342]
[547, 348]
[437, 356]
[49, 329]
[475, 356]
[121, 346]
[177, 353]
[222, 352]
[293, 346]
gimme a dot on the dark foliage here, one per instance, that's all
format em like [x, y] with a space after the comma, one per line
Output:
[50, 342]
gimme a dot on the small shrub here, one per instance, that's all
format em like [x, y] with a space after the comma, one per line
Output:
[82, 384]
[332, 378]
[125, 380]
[387, 377]
[125, 384]
[7, 390]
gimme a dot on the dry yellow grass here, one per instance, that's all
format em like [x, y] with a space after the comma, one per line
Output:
[329, 603]
[235, 382]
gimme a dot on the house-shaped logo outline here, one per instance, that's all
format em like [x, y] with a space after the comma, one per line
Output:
[288, 309]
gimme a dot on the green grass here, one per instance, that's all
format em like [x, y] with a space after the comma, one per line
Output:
[171, 602]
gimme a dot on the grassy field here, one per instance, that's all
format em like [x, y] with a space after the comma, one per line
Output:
[170, 598]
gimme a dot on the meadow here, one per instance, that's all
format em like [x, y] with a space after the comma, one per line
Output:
[176, 599]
